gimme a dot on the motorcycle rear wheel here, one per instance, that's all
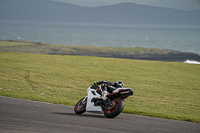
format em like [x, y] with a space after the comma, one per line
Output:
[115, 109]
[80, 106]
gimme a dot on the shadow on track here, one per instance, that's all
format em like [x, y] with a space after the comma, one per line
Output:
[81, 115]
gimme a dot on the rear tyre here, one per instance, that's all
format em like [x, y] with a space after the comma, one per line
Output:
[115, 109]
[80, 106]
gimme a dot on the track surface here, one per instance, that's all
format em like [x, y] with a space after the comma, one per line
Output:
[20, 116]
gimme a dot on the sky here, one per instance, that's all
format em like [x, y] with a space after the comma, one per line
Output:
[176, 4]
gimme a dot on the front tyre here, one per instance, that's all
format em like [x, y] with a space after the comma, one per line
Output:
[115, 109]
[80, 106]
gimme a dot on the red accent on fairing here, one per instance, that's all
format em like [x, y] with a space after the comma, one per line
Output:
[112, 94]
[120, 90]
[115, 92]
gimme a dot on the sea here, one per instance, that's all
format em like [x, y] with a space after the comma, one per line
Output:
[180, 38]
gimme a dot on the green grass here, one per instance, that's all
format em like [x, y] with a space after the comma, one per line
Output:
[161, 89]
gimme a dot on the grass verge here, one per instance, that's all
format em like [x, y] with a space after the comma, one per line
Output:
[161, 89]
[40, 48]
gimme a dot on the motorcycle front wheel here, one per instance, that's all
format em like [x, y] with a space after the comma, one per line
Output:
[80, 106]
[115, 109]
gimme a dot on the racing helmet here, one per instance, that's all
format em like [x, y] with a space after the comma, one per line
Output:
[120, 83]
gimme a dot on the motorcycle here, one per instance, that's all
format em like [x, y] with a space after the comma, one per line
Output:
[111, 107]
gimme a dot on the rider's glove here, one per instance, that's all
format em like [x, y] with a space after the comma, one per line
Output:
[95, 83]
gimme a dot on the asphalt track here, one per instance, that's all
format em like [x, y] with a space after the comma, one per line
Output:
[25, 116]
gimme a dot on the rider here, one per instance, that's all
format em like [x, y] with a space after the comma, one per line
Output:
[107, 86]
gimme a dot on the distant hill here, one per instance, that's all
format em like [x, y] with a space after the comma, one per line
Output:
[124, 13]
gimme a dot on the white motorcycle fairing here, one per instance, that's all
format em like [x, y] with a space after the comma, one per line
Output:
[91, 93]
